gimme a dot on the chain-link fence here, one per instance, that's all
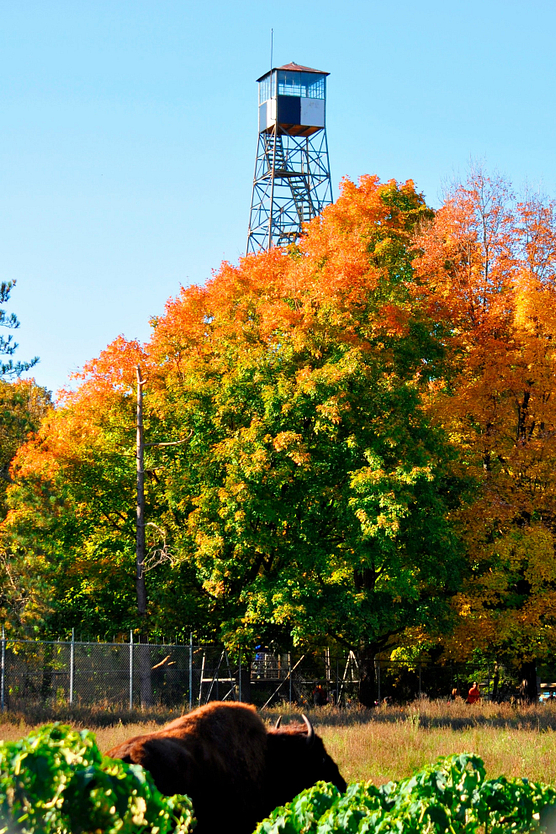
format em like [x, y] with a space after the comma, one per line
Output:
[130, 675]
[94, 674]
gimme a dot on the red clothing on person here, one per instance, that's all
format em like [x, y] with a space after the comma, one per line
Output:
[473, 695]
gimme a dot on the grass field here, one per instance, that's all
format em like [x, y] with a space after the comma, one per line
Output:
[382, 752]
[383, 744]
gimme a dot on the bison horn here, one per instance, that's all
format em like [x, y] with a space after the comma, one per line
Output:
[310, 731]
[278, 722]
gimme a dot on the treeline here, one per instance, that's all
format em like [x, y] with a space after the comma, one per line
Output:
[350, 442]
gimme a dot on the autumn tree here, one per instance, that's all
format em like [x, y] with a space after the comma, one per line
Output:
[487, 275]
[73, 510]
[23, 404]
[314, 491]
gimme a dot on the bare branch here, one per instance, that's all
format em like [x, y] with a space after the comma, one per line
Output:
[158, 555]
[171, 443]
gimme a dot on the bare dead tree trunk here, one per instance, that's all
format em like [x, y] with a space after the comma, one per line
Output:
[144, 664]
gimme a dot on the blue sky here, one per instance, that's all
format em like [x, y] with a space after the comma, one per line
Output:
[129, 133]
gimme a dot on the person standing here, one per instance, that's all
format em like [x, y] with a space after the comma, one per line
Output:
[474, 694]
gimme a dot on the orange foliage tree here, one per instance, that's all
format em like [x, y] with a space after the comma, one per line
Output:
[487, 275]
[23, 405]
[314, 489]
[73, 505]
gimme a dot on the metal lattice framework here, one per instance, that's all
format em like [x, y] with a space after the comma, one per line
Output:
[291, 186]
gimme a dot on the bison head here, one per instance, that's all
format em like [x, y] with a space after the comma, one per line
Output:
[296, 759]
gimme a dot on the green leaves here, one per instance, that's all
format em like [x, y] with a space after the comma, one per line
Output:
[449, 797]
[55, 781]
[303, 813]
[516, 804]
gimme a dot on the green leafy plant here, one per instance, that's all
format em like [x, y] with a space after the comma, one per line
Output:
[56, 781]
[449, 797]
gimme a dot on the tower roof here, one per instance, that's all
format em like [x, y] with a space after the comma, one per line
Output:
[293, 67]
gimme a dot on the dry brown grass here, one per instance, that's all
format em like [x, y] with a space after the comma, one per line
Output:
[383, 744]
[382, 752]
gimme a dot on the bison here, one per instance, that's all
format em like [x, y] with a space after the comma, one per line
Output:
[234, 769]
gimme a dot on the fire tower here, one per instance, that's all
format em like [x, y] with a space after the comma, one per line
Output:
[292, 174]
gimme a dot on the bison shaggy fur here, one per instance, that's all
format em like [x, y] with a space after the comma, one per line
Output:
[234, 769]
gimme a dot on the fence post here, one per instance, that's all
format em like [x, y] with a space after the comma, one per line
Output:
[131, 669]
[3, 671]
[239, 676]
[72, 665]
[419, 680]
[190, 670]
[290, 674]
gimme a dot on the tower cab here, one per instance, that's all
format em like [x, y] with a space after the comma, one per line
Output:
[292, 100]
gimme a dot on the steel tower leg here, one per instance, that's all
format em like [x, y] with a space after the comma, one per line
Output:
[291, 185]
